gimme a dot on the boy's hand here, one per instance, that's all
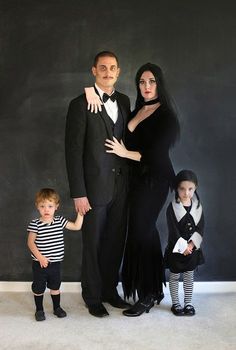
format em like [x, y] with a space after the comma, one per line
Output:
[43, 262]
[82, 205]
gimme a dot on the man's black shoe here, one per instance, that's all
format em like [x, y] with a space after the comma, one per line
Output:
[97, 310]
[117, 302]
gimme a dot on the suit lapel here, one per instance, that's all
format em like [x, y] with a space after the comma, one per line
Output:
[122, 112]
[105, 117]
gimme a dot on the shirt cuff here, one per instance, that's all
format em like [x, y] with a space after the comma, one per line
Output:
[196, 238]
[180, 246]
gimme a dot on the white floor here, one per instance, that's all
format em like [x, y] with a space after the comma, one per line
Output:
[212, 328]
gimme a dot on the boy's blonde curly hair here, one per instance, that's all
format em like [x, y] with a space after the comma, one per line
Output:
[47, 194]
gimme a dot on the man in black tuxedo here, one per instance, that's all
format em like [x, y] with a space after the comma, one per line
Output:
[98, 184]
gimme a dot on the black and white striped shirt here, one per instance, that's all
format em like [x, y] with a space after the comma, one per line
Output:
[50, 239]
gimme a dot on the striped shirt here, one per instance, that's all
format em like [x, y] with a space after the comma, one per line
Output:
[50, 238]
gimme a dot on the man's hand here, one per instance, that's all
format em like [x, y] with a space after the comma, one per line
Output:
[94, 102]
[82, 205]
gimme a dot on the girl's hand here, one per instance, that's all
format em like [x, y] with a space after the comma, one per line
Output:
[191, 245]
[188, 251]
[94, 102]
[116, 147]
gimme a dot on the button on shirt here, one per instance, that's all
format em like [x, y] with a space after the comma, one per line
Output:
[110, 106]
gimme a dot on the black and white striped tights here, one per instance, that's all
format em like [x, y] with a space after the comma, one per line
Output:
[188, 278]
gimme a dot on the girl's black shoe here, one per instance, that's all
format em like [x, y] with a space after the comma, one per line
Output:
[189, 310]
[140, 307]
[177, 310]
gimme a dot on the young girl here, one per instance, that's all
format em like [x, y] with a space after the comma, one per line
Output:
[183, 253]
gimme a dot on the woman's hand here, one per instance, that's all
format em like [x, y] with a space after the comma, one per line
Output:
[94, 102]
[116, 147]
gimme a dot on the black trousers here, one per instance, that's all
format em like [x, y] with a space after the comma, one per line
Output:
[103, 235]
[49, 276]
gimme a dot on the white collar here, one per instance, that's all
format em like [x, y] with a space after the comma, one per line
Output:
[101, 92]
[195, 211]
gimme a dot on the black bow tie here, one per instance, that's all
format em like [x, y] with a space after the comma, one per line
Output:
[106, 97]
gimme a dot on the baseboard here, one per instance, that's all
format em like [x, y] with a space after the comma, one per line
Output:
[75, 287]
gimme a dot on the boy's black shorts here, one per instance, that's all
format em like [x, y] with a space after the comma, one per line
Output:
[49, 277]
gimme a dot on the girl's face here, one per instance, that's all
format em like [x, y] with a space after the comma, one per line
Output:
[186, 191]
[47, 209]
[148, 86]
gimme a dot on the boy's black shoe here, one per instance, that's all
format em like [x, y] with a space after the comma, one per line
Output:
[177, 310]
[189, 310]
[39, 315]
[59, 312]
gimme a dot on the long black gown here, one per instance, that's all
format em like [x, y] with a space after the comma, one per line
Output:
[143, 267]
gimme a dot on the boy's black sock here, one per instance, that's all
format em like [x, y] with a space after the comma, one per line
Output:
[38, 302]
[56, 300]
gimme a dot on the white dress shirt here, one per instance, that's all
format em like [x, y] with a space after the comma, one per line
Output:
[111, 107]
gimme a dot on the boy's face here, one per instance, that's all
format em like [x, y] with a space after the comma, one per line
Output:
[186, 191]
[47, 209]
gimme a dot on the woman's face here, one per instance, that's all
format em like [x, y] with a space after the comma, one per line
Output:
[148, 86]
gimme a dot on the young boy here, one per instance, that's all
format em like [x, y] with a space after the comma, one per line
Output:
[46, 242]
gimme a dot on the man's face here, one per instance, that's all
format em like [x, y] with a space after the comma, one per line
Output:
[106, 72]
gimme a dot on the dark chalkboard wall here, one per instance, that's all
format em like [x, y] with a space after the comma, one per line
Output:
[47, 49]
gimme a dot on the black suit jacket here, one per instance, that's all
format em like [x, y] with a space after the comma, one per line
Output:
[91, 171]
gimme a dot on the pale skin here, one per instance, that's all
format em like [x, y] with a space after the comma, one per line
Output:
[186, 191]
[149, 91]
[47, 210]
[106, 74]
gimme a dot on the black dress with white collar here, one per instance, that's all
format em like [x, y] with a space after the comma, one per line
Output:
[184, 225]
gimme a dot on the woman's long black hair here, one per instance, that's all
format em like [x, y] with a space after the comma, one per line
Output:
[163, 94]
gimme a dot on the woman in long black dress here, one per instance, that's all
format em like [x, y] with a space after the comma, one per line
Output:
[152, 131]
